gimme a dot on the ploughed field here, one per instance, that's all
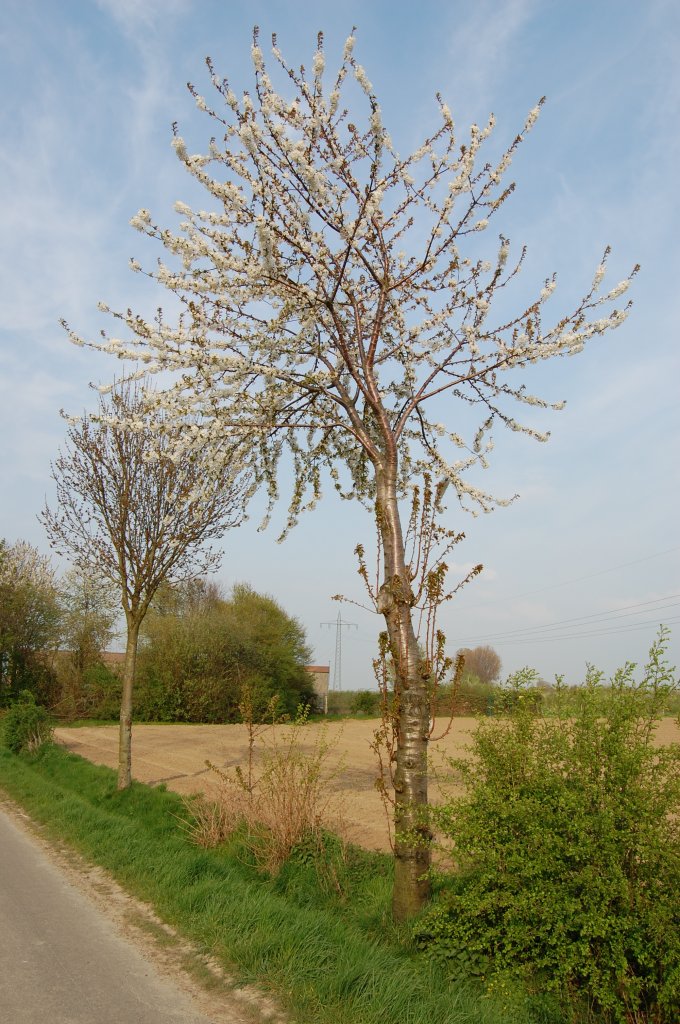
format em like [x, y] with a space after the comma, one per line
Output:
[177, 755]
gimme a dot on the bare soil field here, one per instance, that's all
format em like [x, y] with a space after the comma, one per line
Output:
[177, 755]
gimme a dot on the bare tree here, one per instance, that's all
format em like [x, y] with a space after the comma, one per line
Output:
[482, 662]
[329, 312]
[130, 512]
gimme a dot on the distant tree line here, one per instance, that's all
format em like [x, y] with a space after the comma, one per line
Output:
[198, 650]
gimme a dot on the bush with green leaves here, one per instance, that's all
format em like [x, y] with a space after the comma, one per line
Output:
[366, 702]
[200, 649]
[27, 725]
[470, 696]
[29, 622]
[566, 845]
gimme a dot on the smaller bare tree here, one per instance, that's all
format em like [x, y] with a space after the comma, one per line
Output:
[482, 662]
[130, 513]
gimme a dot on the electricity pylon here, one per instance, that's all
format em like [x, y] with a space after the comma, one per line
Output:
[337, 667]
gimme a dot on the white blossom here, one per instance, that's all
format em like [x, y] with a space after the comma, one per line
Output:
[141, 220]
[319, 63]
[532, 118]
[258, 59]
[620, 289]
[362, 79]
[349, 48]
[179, 147]
[599, 274]
[305, 258]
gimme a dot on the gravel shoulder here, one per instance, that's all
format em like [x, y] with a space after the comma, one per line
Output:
[77, 948]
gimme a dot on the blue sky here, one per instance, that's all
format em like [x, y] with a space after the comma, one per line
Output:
[90, 90]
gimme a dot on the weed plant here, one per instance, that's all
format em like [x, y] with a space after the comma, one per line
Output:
[283, 803]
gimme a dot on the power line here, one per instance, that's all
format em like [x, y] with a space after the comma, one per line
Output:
[609, 615]
[337, 666]
[576, 579]
[579, 636]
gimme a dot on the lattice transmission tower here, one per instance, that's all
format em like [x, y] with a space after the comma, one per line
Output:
[339, 624]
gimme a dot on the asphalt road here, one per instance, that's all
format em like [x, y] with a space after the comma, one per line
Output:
[63, 961]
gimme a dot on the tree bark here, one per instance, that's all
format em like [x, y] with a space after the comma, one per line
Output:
[125, 732]
[412, 833]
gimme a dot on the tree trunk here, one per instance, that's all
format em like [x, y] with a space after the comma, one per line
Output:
[125, 733]
[412, 832]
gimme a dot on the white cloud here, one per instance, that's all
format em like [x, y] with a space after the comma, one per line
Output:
[481, 49]
[133, 16]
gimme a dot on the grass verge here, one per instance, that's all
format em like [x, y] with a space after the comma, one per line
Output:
[328, 955]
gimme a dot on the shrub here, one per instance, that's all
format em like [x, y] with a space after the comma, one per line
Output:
[91, 692]
[27, 725]
[101, 692]
[365, 702]
[340, 703]
[470, 697]
[195, 658]
[566, 845]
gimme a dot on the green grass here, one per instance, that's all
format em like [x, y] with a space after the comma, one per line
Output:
[321, 942]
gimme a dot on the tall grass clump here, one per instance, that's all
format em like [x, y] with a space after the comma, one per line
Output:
[281, 800]
[566, 846]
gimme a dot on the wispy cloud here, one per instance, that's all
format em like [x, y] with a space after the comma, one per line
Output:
[44, 238]
[482, 45]
[146, 26]
[134, 16]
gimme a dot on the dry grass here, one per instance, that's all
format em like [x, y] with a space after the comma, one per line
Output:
[284, 801]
